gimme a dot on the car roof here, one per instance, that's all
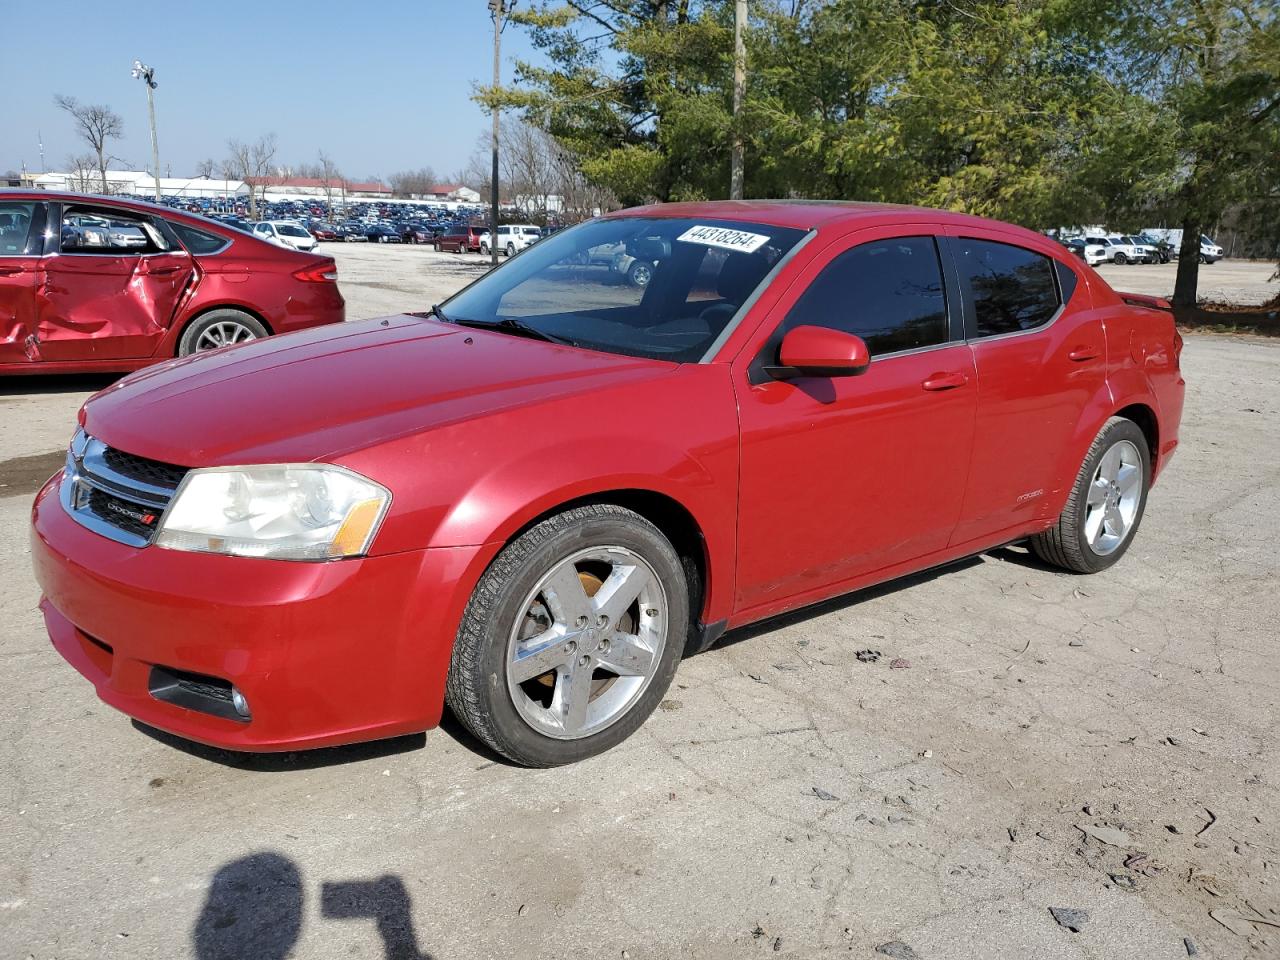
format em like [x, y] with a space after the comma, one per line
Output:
[814, 214]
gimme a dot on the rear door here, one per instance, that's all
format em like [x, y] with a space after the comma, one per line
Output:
[1040, 354]
[21, 244]
[844, 476]
[111, 289]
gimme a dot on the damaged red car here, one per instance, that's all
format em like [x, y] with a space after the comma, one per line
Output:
[90, 284]
[532, 501]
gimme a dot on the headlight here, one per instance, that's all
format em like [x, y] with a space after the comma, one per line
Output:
[307, 511]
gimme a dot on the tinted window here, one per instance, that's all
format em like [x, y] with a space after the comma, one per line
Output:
[1008, 288]
[888, 292]
[289, 230]
[197, 241]
[16, 218]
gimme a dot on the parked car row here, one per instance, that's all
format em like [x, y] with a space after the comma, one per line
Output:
[1150, 246]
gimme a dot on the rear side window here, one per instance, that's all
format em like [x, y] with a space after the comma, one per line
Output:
[888, 292]
[107, 231]
[197, 241]
[1009, 289]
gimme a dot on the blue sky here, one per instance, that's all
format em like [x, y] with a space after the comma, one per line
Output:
[381, 86]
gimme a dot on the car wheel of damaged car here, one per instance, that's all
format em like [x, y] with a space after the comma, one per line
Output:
[219, 328]
[571, 638]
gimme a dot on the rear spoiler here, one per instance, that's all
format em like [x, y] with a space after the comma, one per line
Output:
[1142, 300]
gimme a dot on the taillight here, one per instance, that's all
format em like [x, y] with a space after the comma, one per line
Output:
[1177, 350]
[320, 273]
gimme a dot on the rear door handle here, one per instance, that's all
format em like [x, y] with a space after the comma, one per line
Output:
[1082, 353]
[9, 271]
[945, 381]
[162, 271]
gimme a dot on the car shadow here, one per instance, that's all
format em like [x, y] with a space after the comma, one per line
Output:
[842, 602]
[283, 762]
[255, 908]
[51, 383]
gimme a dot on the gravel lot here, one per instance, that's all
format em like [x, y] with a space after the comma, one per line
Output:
[787, 799]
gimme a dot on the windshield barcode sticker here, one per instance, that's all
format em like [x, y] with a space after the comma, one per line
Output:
[726, 239]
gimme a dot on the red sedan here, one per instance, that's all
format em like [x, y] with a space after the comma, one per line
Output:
[92, 284]
[533, 501]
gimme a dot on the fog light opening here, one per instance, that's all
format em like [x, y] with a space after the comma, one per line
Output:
[240, 704]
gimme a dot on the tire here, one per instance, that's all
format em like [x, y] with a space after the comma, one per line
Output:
[227, 326]
[523, 718]
[1121, 258]
[640, 273]
[484, 249]
[511, 250]
[1067, 544]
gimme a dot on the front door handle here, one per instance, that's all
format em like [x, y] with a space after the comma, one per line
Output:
[162, 271]
[945, 381]
[9, 271]
[1081, 353]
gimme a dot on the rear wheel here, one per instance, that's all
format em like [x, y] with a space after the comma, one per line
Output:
[571, 637]
[1106, 504]
[484, 249]
[511, 250]
[219, 328]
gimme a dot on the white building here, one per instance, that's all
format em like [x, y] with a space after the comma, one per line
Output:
[139, 183]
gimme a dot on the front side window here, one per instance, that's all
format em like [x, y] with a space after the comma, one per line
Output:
[1010, 289]
[656, 287]
[89, 230]
[888, 292]
[18, 235]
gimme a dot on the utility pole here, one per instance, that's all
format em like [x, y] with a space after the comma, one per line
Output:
[739, 92]
[146, 74]
[498, 9]
[40, 140]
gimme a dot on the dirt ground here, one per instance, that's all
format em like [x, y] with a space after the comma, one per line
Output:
[1015, 740]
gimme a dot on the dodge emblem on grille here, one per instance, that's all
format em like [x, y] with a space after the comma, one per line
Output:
[138, 516]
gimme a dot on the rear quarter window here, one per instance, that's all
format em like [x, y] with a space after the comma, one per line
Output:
[1008, 289]
[199, 242]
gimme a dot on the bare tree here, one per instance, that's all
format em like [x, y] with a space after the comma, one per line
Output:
[97, 126]
[331, 176]
[412, 183]
[205, 168]
[251, 162]
[82, 170]
[529, 167]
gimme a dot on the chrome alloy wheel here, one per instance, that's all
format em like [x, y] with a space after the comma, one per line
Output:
[224, 333]
[587, 643]
[1114, 494]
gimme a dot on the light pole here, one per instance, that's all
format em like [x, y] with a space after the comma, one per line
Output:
[498, 9]
[148, 75]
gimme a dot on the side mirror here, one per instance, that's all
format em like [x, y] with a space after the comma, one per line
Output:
[808, 351]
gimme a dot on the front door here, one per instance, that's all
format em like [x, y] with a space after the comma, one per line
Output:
[21, 243]
[111, 290]
[845, 476]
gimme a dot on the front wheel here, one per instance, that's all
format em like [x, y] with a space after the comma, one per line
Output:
[1106, 504]
[511, 250]
[571, 637]
[1121, 258]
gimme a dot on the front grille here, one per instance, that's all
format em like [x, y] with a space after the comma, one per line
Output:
[128, 516]
[140, 468]
[117, 494]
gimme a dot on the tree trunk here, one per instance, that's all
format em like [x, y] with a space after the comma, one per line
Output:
[1184, 287]
[102, 169]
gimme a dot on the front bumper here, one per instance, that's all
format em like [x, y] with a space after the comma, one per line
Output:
[325, 653]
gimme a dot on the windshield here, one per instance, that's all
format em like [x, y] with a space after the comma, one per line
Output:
[639, 286]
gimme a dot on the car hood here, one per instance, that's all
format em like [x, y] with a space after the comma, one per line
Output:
[321, 393]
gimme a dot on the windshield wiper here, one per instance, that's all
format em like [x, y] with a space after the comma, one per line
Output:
[510, 325]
